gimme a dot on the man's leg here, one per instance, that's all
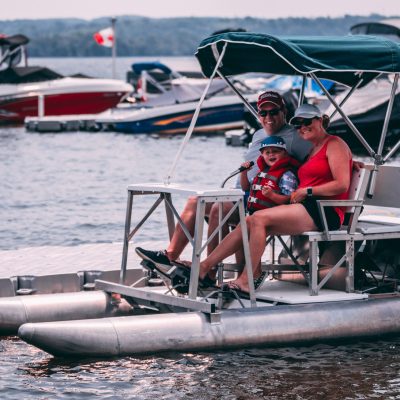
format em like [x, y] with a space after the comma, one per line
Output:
[214, 221]
[179, 240]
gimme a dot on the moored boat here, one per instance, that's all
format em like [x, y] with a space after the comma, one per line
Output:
[37, 91]
[219, 113]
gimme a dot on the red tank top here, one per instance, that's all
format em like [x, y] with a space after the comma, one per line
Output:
[316, 171]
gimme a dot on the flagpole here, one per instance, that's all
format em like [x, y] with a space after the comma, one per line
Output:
[114, 46]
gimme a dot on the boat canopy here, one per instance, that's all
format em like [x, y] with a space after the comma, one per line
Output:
[15, 40]
[341, 59]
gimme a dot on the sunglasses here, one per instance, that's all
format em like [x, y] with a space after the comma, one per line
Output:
[304, 122]
[272, 113]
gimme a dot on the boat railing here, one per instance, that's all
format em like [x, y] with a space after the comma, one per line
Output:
[164, 193]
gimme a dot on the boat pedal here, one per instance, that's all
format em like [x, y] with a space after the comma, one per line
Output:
[25, 291]
[155, 281]
[149, 266]
[89, 286]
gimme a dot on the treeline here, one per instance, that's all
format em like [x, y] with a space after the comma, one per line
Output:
[141, 36]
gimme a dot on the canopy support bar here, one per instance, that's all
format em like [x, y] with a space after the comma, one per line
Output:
[388, 114]
[348, 96]
[392, 151]
[167, 179]
[378, 159]
[303, 87]
[345, 117]
[246, 103]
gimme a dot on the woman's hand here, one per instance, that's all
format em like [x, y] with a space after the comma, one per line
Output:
[298, 195]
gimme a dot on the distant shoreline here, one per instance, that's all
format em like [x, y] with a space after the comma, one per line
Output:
[160, 37]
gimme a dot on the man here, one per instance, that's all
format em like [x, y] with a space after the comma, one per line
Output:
[272, 116]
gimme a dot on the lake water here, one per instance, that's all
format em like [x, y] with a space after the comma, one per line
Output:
[69, 189]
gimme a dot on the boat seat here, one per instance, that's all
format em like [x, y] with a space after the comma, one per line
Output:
[369, 224]
[328, 242]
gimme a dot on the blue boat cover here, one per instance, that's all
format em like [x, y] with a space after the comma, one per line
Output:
[337, 58]
[148, 66]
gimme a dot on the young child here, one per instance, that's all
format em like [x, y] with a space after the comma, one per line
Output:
[276, 179]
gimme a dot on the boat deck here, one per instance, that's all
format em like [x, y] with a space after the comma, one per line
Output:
[293, 293]
[64, 262]
[47, 260]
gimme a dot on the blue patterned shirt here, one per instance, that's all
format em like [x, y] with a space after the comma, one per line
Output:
[288, 183]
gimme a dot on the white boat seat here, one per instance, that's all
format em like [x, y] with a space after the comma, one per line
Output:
[367, 228]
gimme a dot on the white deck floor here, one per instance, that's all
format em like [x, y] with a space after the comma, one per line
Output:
[294, 293]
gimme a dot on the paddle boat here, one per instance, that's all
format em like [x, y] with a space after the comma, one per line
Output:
[328, 302]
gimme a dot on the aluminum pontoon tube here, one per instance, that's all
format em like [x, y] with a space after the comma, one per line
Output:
[121, 336]
[15, 311]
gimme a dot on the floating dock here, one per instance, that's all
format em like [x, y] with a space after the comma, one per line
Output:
[63, 123]
[62, 269]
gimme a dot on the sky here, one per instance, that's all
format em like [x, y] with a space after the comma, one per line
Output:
[89, 9]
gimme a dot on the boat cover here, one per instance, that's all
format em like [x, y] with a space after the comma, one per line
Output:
[15, 40]
[139, 67]
[337, 58]
[27, 75]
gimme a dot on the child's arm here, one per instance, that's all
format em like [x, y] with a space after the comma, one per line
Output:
[287, 185]
[244, 181]
[276, 198]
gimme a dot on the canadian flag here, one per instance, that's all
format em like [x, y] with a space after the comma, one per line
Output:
[105, 37]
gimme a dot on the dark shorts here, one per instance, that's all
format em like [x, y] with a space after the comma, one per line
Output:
[332, 218]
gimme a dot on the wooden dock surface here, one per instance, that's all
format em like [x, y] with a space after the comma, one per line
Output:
[48, 260]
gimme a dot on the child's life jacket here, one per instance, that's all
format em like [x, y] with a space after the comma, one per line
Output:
[269, 176]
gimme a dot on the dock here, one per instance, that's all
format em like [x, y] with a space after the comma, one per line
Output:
[54, 269]
[63, 123]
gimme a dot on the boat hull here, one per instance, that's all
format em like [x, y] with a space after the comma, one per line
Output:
[279, 325]
[15, 110]
[212, 119]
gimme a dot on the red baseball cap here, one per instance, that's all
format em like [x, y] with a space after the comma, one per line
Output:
[270, 97]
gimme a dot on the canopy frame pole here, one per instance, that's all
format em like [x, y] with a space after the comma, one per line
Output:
[345, 117]
[351, 91]
[379, 160]
[302, 90]
[167, 179]
[392, 151]
[246, 103]
[388, 114]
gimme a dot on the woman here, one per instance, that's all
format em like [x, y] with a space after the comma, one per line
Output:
[325, 174]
